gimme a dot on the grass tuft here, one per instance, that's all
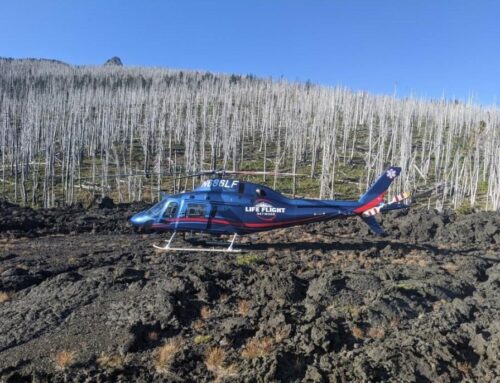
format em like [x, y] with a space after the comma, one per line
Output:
[223, 298]
[258, 347]
[376, 332]
[395, 321]
[163, 356]
[5, 296]
[112, 362]
[450, 267]
[199, 324]
[215, 360]
[243, 307]
[64, 359]
[464, 367]
[281, 334]
[358, 332]
[205, 313]
[438, 304]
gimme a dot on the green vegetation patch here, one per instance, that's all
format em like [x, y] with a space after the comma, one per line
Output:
[464, 208]
[202, 339]
[248, 259]
[405, 286]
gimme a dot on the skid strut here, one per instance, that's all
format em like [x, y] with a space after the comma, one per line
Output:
[167, 247]
[230, 248]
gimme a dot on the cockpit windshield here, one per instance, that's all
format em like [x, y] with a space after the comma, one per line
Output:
[169, 211]
[157, 209]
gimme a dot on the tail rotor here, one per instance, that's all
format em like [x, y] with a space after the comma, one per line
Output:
[372, 202]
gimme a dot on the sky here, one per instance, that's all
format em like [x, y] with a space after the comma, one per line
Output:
[425, 48]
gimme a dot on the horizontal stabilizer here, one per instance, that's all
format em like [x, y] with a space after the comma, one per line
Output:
[393, 206]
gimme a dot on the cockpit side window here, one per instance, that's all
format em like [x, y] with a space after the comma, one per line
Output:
[196, 210]
[171, 210]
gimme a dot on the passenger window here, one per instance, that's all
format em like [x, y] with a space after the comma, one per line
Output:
[195, 210]
[171, 210]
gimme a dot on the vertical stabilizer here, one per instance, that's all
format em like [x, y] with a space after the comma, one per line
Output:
[381, 185]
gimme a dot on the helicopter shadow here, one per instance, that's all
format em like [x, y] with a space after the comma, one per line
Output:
[346, 245]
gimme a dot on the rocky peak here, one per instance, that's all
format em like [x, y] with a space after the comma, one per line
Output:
[114, 61]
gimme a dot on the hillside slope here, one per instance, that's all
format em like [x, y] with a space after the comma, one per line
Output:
[69, 133]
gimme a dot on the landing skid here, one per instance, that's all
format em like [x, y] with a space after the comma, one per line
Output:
[167, 247]
[213, 250]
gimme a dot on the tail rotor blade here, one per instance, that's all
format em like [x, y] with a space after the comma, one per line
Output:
[373, 211]
[385, 207]
[400, 197]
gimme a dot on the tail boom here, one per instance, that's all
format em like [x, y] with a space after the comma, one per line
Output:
[372, 202]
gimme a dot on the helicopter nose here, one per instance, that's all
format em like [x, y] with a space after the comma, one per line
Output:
[139, 219]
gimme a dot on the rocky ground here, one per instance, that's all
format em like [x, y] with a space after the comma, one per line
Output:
[84, 298]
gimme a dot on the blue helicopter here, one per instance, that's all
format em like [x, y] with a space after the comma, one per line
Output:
[225, 205]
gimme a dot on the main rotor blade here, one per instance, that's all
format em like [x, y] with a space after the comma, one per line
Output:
[146, 174]
[219, 172]
[261, 173]
[202, 173]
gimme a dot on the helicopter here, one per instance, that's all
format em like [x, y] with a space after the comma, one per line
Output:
[225, 205]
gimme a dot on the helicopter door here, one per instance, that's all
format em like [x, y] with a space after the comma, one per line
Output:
[169, 212]
[194, 216]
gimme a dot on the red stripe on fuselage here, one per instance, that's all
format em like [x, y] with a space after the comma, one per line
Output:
[374, 202]
[250, 225]
[282, 223]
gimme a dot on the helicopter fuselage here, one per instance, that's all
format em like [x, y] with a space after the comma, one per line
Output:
[227, 206]
[231, 206]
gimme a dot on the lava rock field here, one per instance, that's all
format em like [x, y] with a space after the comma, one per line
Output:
[83, 298]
